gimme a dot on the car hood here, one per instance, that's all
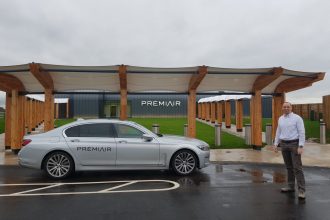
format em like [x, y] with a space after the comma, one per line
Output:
[181, 139]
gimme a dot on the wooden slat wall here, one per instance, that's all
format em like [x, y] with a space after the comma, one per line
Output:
[304, 110]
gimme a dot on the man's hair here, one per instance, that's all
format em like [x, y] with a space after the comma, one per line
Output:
[288, 103]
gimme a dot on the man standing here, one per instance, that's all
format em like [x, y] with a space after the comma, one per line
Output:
[290, 137]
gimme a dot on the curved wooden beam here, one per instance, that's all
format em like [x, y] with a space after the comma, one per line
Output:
[297, 83]
[262, 81]
[9, 82]
[4, 88]
[42, 76]
[196, 79]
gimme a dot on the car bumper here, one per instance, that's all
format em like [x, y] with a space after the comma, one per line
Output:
[27, 159]
[204, 159]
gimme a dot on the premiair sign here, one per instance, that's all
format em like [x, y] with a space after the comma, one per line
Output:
[156, 103]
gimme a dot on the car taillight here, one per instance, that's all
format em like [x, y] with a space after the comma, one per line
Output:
[26, 142]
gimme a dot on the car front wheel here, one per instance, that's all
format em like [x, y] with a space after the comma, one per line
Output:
[58, 165]
[184, 162]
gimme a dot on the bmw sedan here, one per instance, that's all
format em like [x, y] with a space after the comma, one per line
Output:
[102, 144]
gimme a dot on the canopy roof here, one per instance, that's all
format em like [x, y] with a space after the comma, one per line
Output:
[219, 98]
[34, 78]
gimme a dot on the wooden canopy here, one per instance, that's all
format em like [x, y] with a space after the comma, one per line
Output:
[34, 78]
[123, 79]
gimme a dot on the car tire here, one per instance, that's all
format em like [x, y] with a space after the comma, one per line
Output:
[58, 165]
[184, 162]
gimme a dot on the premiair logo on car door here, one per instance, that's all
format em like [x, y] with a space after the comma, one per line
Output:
[93, 149]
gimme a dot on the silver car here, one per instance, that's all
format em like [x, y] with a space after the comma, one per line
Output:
[103, 144]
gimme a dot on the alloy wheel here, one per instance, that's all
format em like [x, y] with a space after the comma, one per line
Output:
[184, 162]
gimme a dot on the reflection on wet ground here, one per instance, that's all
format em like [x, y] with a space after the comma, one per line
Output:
[259, 176]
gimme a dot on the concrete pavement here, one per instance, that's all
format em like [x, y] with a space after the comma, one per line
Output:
[314, 155]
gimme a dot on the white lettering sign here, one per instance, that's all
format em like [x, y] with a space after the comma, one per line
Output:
[156, 103]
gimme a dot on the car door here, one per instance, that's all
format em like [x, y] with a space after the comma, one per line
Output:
[92, 144]
[133, 150]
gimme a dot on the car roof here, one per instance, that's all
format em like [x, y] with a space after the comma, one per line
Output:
[101, 120]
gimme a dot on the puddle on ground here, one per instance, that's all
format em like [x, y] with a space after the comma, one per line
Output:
[279, 177]
[258, 176]
[218, 168]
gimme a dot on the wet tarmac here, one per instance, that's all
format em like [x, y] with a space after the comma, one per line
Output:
[220, 191]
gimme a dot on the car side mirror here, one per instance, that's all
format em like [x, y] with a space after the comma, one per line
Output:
[147, 137]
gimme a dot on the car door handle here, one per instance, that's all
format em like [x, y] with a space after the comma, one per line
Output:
[75, 140]
[122, 142]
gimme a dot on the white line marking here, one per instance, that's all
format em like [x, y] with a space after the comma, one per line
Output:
[110, 190]
[73, 183]
[37, 189]
[116, 187]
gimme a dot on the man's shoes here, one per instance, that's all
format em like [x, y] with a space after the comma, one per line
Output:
[287, 190]
[301, 195]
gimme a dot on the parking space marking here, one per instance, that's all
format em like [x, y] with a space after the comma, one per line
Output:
[37, 189]
[117, 187]
[175, 185]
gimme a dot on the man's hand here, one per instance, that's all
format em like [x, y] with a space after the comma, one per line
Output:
[300, 150]
[275, 148]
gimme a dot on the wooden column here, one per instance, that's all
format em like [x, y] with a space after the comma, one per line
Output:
[239, 115]
[212, 112]
[219, 112]
[326, 110]
[277, 103]
[42, 110]
[16, 121]
[30, 121]
[49, 110]
[123, 104]
[21, 118]
[39, 110]
[123, 92]
[57, 110]
[228, 114]
[34, 114]
[39, 115]
[194, 82]
[256, 119]
[8, 121]
[203, 111]
[192, 113]
[67, 109]
[26, 113]
[208, 109]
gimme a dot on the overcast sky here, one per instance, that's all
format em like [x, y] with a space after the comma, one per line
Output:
[293, 34]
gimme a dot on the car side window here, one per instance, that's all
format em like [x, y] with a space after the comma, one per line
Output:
[126, 131]
[72, 132]
[91, 130]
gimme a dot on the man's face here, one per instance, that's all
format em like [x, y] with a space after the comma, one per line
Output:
[287, 108]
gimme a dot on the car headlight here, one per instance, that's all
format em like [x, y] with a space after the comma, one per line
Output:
[204, 147]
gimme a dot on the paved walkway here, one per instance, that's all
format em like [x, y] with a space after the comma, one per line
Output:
[314, 155]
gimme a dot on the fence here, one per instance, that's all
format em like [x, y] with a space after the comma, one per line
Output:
[312, 112]
[2, 115]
